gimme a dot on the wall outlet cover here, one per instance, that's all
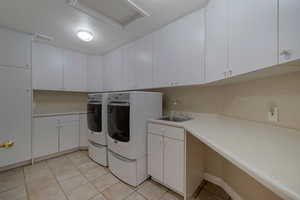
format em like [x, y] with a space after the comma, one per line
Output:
[273, 115]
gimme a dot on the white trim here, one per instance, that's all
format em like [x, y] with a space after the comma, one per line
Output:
[220, 182]
[140, 10]
[92, 13]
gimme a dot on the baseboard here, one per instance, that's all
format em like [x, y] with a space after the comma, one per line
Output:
[28, 162]
[83, 148]
[55, 155]
[220, 182]
[15, 165]
[166, 185]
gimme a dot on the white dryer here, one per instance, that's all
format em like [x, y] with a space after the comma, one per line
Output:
[97, 124]
[127, 133]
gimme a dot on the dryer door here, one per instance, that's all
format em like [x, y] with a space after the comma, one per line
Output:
[118, 119]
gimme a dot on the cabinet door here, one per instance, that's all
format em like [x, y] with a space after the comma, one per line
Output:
[174, 163]
[179, 51]
[155, 156]
[75, 70]
[252, 35]
[216, 40]
[69, 135]
[130, 75]
[47, 67]
[15, 114]
[45, 136]
[15, 49]
[94, 73]
[144, 62]
[191, 44]
[164, 67]
[83, 131]
[289, 30]
[107, 86]
[114, 70]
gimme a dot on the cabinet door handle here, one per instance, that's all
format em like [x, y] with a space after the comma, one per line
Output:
[7, 145]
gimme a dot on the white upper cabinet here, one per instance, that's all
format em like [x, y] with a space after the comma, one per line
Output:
[179, 51]
[129, 66]
[15, 49]
[289, 30]
[252, 35]
[75, 71]
[216, 40]
[94, 73]
[137, 63]
[113, 70]
[47, 67]
[144, 62]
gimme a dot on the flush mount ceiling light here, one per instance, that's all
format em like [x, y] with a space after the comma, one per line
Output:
[85, 36]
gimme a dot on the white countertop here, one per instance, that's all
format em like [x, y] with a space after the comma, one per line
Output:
[268, 153]
[58, 114]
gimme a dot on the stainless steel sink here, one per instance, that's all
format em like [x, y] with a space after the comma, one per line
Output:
[175, 118]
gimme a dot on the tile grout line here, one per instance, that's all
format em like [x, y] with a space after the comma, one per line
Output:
[56, 180]
[167, 190]
[81, 173]
[25, 184]
[14, 187]
[88, 181]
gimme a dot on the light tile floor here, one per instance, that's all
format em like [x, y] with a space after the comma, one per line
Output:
[76, 177]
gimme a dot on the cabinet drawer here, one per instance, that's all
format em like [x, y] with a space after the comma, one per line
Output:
[98, 153]
[168, 131]
[123, 168]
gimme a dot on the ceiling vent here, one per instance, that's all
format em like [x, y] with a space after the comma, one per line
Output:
[118, 13]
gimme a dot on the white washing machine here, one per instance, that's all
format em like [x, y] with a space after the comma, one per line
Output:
[97, 124]
[127, 133]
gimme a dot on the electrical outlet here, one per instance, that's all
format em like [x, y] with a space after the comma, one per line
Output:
[273, 115]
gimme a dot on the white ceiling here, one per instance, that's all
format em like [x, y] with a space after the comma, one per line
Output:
[60, 21]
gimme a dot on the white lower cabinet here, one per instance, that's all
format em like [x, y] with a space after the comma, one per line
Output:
[45, 136]
[166, 156]
[83, 130]
[173, 163]
[69, 135]
[55, 134]
[155, 156]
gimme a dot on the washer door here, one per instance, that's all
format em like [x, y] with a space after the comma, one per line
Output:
[94, 116]
[118, 119]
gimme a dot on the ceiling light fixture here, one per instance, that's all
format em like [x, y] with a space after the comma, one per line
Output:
[85, 36]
